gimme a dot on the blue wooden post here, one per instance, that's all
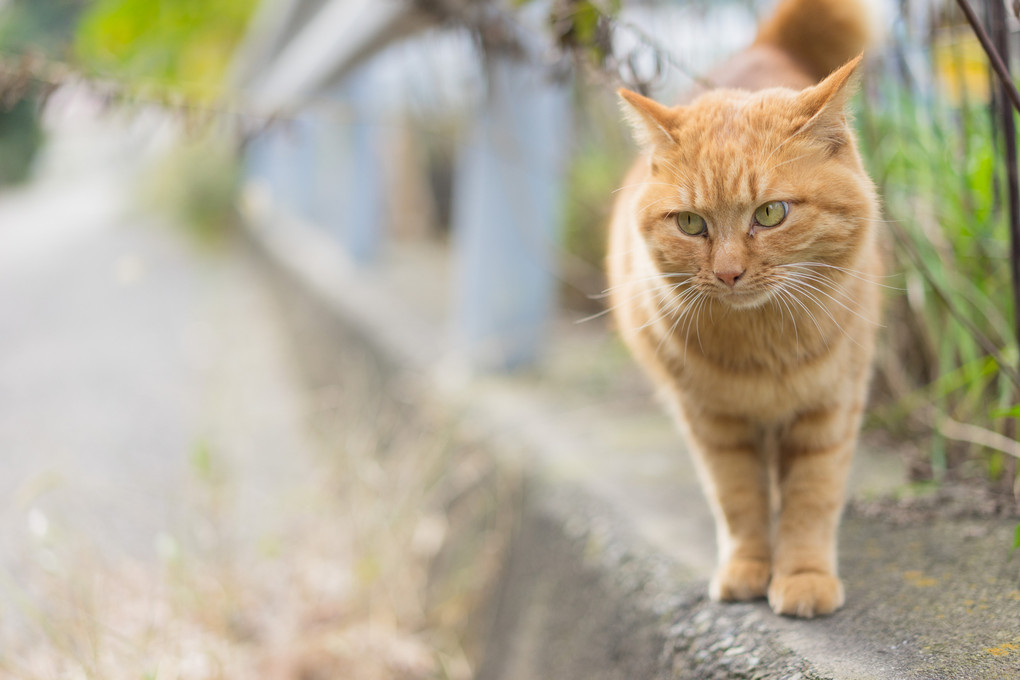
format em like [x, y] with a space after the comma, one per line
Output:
[260, 160]
[350, 178]
[325, 167]
[331, 167]
[301, 174]
[506, 217]
[284, 159]
[257, 158]
[363, 230]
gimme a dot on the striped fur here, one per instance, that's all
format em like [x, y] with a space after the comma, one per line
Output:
[760, 337]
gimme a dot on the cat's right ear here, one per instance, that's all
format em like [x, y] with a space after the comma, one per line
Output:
[824, 105]
[650, 120]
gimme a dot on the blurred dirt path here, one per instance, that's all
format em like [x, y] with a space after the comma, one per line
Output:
[164, 510]
[130, 364]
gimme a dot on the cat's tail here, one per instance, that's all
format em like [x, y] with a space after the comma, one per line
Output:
[821, 34]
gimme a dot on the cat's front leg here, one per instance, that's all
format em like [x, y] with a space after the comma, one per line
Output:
[735, 480]
[814, 461]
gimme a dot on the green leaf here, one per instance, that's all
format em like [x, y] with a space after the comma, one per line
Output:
[1016, 538]
[202, 461]
[1013, 412]
[586, 21]
[183, 45]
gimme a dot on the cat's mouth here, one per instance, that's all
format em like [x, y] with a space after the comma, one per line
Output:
[742, 298]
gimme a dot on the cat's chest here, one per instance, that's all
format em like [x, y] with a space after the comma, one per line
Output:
[763, 386]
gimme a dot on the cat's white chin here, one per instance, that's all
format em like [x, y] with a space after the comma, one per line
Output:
[744, 300]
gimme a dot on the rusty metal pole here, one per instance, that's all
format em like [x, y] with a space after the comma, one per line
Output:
[996, 46]
[1007, 119]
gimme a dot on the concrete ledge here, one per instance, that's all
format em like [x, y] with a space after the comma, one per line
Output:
[606, 569]
[581, 598]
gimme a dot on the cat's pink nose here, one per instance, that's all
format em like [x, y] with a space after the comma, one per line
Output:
[730, 276]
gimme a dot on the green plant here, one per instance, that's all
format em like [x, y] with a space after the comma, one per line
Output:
[600, 157]
[37, 26]
[935, 163]
[179, 45]
[196, 184]
[20, 139]
[45, 26]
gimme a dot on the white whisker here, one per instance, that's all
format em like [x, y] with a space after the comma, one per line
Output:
[655, 202]
[799, 287]
[780, 298]
[800, 278]
[863, 276]
[668, 287]
[697, 323]
[694, 309]
[790, 160]
[667, 310]
[643, 279]
[672, 328]
[643, 184]
[793, 298]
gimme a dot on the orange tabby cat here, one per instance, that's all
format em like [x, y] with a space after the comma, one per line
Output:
[742, 264]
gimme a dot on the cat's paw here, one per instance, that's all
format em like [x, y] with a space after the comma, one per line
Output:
[806, 595]
[740, 579]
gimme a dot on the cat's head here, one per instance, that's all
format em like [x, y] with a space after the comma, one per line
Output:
[744, 189]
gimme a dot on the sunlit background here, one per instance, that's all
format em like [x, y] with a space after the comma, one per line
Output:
[179, 504]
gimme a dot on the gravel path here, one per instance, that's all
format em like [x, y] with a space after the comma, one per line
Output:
[168, 508]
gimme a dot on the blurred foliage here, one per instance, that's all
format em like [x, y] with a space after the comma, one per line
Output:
[175, 48]
[20, 138]
[196, 184]
[938, 165]
[183, 46]
[593, 175]
[582, 26]
[41, 27]
[585, 26]
[45, 26]
[601, 153]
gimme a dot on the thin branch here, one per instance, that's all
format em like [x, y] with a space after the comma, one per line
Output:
[33, 76]
[993, 55]
[662, 52]
[972, 434]
[984, 341]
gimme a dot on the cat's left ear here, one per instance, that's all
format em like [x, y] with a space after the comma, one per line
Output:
[824, 105]
[651, 121]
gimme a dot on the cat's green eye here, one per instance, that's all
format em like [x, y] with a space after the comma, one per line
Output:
[771, 214]
[691, 224]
